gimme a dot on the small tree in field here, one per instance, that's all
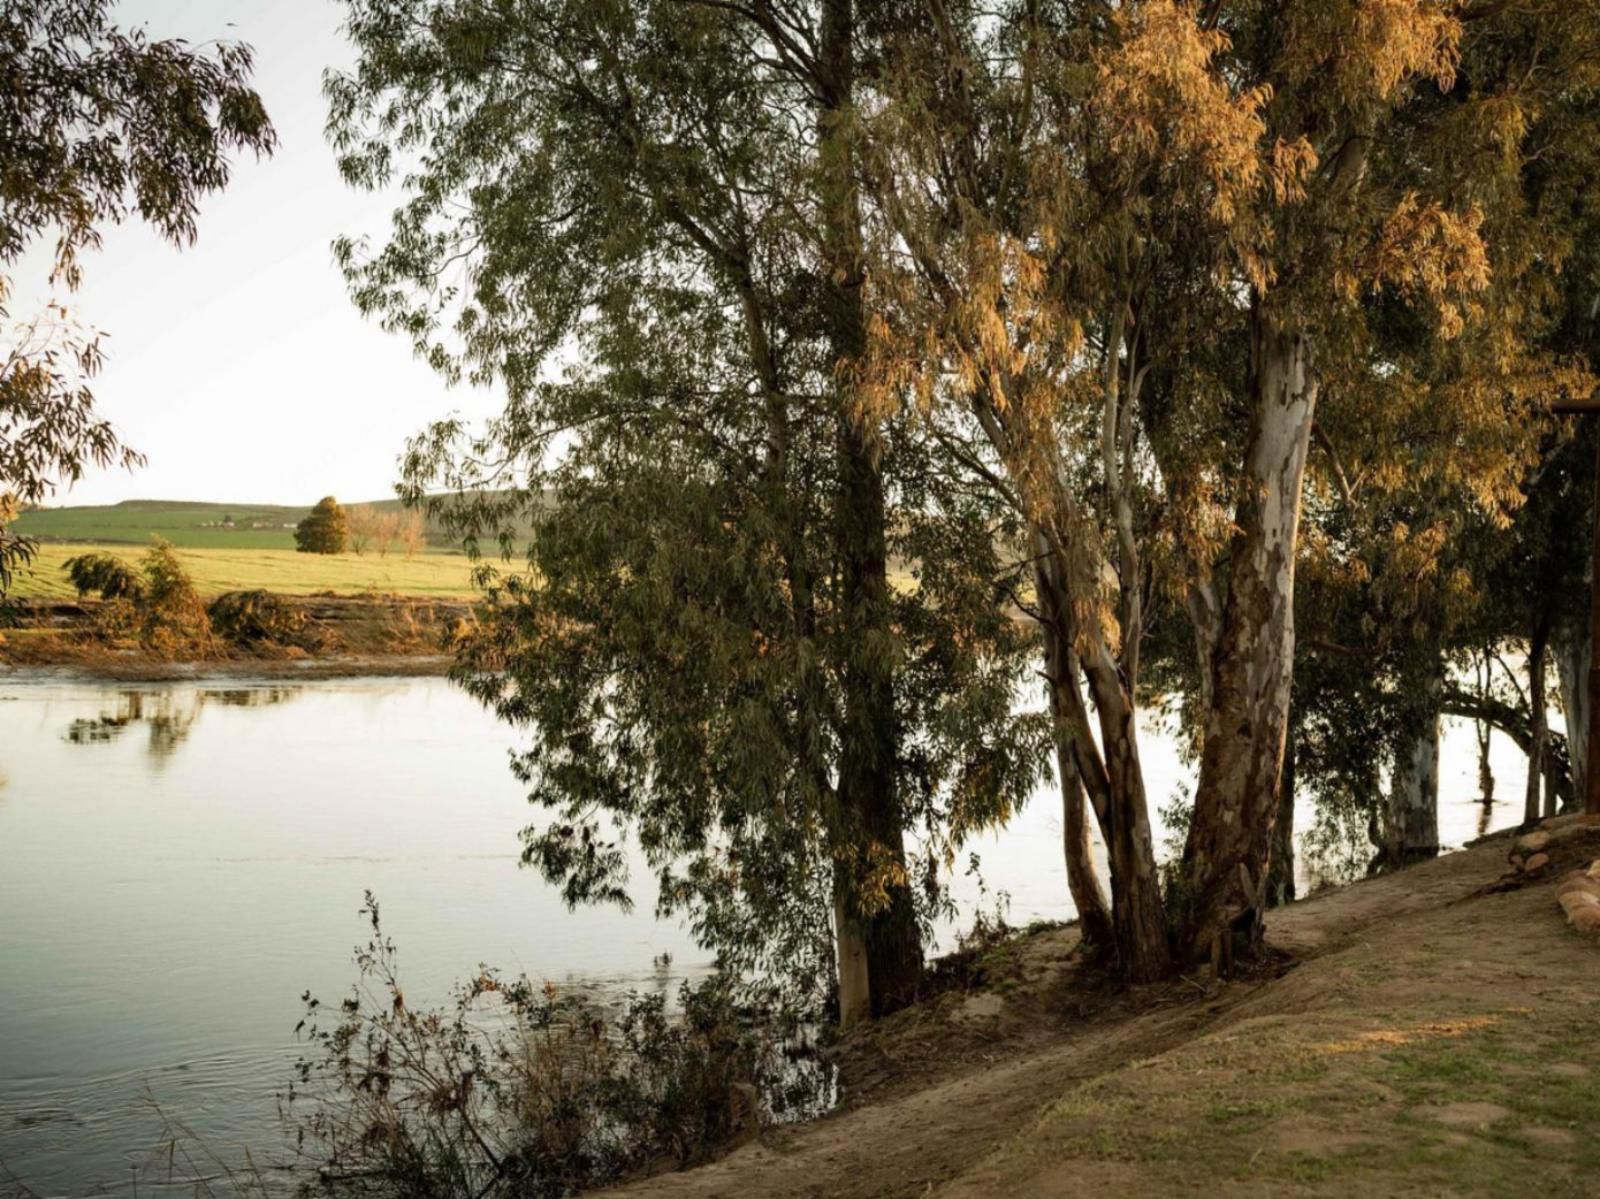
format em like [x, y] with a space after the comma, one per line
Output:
[323, 531]
[411, 531]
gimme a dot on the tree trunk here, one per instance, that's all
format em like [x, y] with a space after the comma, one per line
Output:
[1531, 808]
[1280, 870]
[1414, 796]
[869, 747]
[1570, 647]
[1137, 913]
[1111, 777]
[1236, 800]
[855, 994]
[1061, 671]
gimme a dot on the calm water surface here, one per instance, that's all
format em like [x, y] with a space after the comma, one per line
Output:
[178, 863]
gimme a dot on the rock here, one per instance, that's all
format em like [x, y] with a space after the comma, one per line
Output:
[1586, 920]
[1574, 901]
[1516, 861]
[1594, 870]
[1535, 842]
[1577, 881]
[1537, 862]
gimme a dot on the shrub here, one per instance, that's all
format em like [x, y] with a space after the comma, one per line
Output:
[520, 1090]
[111, 577]
[173, 619]
[256, 618]
[323, 531]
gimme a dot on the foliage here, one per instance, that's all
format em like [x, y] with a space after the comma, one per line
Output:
[257, 617]
[324, 529]
[110, 576]
[521, 1090]
[172, 617]
[96, 125]
[381, 529]
[699, 638]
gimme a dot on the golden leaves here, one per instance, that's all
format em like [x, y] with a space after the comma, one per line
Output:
[1168, 108]
[1424, 251]
[1367, 50]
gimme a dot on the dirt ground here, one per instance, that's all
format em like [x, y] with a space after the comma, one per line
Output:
[1418, 1037]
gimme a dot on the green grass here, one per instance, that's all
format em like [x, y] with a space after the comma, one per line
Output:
[187, 525]
[215, 570]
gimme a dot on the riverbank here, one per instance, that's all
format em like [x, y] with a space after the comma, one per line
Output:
[342, 637]
[1420, 1035]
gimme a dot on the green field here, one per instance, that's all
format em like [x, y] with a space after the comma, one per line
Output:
[215, 570]
[133, 522]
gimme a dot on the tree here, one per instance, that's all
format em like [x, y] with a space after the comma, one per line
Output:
[96, 125]
[411, 532]
[323, 530]
[711, 657]
[1122, 258]
[363, 524]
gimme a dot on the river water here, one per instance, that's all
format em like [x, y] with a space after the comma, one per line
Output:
[179, 862]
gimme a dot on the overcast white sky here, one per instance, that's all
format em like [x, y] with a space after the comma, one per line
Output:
[239, 365]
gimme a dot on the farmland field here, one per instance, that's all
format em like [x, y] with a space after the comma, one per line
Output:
[215, 570]
[184, 524]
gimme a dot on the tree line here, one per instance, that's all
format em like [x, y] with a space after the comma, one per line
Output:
[1172, 326]
[904, 397]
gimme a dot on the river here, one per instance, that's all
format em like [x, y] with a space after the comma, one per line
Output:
[179, 862]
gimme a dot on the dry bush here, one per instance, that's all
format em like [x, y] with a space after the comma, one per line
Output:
[256, 618]
[173, 622]
[519, 1090]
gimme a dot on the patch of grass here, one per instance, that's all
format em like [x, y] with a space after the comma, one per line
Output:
[215, 571]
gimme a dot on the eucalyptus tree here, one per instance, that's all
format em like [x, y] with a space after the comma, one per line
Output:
[641, 221]
[97, 125]
[1130, 253]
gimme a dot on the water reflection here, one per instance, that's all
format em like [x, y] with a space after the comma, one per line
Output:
[1481, 732]
[168, 714]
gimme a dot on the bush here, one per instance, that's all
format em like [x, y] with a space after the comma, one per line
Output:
[257, 618]
[518, 1090]
[111, 577]
[173, 620]
[324, 530]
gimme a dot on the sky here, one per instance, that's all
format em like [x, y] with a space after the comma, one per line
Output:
[239, 365]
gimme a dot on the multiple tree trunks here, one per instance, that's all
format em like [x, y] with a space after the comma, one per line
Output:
[1113, 781]
[1094, 913]
[1236, 800]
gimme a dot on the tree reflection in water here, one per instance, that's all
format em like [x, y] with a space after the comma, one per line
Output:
[168, 714]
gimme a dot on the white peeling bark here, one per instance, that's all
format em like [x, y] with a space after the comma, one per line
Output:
[1414, 798]
[1237, 796]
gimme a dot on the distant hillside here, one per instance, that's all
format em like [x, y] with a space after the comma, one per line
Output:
[193, 525]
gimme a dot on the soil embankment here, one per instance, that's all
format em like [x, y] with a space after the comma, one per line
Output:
[1430, 1032]
[339, 636]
